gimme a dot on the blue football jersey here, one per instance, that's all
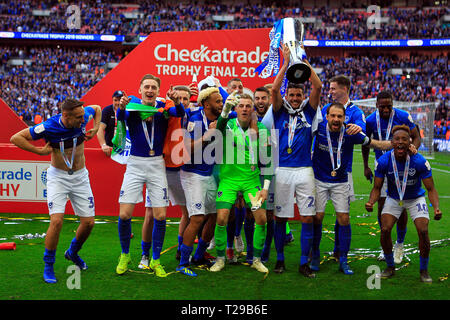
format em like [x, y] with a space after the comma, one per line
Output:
[419, 169]
[139, 144]
[199, 162]
[321, 157]
[54, 131]
[302, 140]
[400, 117]
[354, 115]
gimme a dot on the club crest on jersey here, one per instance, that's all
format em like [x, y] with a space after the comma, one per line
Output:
[198, 206]
[39, 129]
[219, 194]
[190, 126]
[411, 171]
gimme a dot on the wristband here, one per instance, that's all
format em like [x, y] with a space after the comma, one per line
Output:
[266, 184]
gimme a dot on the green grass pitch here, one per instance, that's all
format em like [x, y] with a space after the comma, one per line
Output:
[21, 270]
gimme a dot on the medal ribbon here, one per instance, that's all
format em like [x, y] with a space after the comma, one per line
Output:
[292, 126]
[144, 126]
[74, 148]
[400, 189]
[205, 121]
[249, 144]
[388, 130]
[330, 148]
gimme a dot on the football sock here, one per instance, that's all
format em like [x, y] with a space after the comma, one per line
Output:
[180, 242]
[185, 254]
[220, 235]
[306, 241]
[279, 236]
[75, 246]
[268, 242]
[159, 230]
[345, 237]
[401, 233]
[201, 248]
[259, 236]
[389, 259]
[317, 236]
[249, 229]
[146, 248]
[125, 234]
[239, 220]
[49, 257]
[231, 228]
[423, 263]
[336, 236]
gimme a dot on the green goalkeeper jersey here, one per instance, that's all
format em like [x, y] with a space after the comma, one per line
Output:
[244, 154]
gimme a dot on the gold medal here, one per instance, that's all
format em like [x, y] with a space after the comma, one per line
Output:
[333, 173]
[289, 150]
[152, 153]
[400, 203]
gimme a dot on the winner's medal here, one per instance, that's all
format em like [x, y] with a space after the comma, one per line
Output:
[150, 142]
[292, 126]
[66, 160]
[330, 149]
[400, 189]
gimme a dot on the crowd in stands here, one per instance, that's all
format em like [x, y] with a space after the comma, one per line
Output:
[49, 75]
[35, 89]
[155, 16]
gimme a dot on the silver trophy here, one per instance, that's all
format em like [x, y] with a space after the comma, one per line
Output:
[293, 33]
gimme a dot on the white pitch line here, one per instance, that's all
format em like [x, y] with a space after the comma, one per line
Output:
[366, 195]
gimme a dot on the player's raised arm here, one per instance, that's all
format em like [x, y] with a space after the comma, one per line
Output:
[277, 99]
[97, 119]
[314, 97]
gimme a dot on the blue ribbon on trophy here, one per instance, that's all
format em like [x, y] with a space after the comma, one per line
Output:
[290, 32]
[272, 62]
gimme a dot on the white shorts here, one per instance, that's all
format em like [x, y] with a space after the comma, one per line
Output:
[294, 181]
[351, 191]
[337, 192]
[76, 187]
[270, 202]
[176, 192]
[200, 193]
[148, 171]
[417, 208]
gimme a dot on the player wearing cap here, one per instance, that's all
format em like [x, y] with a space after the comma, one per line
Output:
[108, 124]
[67, 177]
[405, 174]
[145, 166]
[332, 154]
[379, 126]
